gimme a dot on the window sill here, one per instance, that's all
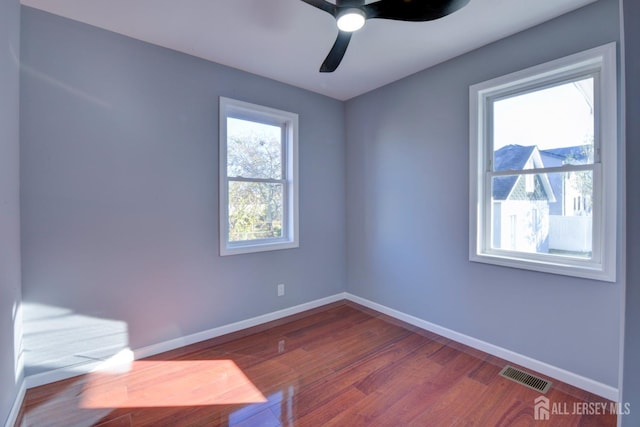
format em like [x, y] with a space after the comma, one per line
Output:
[562, 266]
[247, 248]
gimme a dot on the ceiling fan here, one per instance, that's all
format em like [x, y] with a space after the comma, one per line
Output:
[351, 15]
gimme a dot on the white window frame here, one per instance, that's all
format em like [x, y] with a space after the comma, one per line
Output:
[289, 123]
[601, 62]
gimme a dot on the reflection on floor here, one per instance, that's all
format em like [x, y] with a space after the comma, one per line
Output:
[338, 365]
[57, 338]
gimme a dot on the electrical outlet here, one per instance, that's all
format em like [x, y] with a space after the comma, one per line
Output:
[281, 289]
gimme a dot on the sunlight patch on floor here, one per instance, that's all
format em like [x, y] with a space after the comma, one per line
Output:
[159, 383]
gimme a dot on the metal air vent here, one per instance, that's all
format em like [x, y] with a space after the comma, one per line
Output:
[527, 380]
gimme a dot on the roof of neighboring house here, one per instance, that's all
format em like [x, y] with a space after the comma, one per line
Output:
[515, 157]
[509, 157]
[578, 153]
[512, 157]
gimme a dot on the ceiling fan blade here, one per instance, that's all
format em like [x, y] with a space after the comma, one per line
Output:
[323, 5]
[412, 10]
[336, 53]
[349, 3]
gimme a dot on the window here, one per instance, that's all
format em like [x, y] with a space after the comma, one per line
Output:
[543, 156]
[258, 178]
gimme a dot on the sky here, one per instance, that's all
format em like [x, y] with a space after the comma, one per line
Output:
[560, 116]
[244, 128]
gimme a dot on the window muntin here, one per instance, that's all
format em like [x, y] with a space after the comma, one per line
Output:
[543, 162]
[258, 178]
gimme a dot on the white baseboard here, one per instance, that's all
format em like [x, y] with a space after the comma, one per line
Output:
[17, 404]
[571, 378]
[563, 375]
[140, 353]
[151, 350]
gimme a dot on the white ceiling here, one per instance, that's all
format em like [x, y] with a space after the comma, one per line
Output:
[287, 40]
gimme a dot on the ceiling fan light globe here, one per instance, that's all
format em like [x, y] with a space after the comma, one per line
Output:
[351, 20]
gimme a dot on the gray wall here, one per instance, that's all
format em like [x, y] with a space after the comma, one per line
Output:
[120, 185]
[9, 206]
[407, 221]
[120, 196]
[631, 379]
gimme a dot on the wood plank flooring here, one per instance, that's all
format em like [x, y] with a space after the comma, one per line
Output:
[340, 365]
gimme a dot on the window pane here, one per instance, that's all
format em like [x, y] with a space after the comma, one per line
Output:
[254, 150]
[557, 122]
[255, 210]
[543, 213]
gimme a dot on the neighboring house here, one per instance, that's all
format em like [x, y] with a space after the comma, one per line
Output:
[521, 202]
[569, 201]
[542, 213]
[570, 219]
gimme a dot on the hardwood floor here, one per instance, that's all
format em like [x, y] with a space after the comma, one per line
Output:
[340, 365]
